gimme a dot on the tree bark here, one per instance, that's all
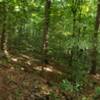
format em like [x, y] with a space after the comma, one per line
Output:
[74, 12]
[3, 36]
[3, 41]
[45, 31]
[95, 41]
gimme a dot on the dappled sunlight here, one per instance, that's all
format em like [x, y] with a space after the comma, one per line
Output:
[49, 50]
[7, 53]
[17, 8]
[29, 62]
[48, 69]
[67, 33]
[14, 59]
[25, 56]
[22, 57]
[97, 76]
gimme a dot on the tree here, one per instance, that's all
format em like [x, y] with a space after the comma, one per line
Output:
[4, 25]
[45, 31]
[95, 41]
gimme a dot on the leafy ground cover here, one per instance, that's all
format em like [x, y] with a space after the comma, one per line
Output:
[23, 80]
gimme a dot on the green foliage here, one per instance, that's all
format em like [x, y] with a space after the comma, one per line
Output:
[69, 87]
[84, 98]
[97, 91]
[78, 87]
[68, 46]
[70, 34]
[18, 94]
[66, 86]
[53, 96]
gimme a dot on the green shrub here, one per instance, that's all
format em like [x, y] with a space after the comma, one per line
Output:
[97, 93]
[66, 86]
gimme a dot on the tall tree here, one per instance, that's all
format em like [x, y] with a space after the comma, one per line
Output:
[3, 32]
[45, 31]
[74, 10]
[95, 40]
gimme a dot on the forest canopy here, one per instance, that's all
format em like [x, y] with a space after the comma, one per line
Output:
[61, 33]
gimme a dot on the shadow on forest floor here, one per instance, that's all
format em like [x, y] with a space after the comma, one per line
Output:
[21, 79]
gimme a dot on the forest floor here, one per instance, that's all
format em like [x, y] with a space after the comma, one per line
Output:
[21, 79]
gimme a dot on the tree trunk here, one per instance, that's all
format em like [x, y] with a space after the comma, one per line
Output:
[95, 41]
[3, 36]
[74, 12]
[3, 41]
[45, 31]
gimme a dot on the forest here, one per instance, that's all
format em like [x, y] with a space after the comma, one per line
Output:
[49, 50]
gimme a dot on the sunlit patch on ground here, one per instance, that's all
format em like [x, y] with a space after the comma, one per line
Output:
[48, 69]
[14, 59]
[97, 76]
[29, 62]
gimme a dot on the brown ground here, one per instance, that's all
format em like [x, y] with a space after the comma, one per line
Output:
[21, 79]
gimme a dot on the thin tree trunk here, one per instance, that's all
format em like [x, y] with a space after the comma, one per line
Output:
[3, 33]
[3, 36]
[3, 41]
[74, 27]
[45, 31]
[74, 12]
[95, 41]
